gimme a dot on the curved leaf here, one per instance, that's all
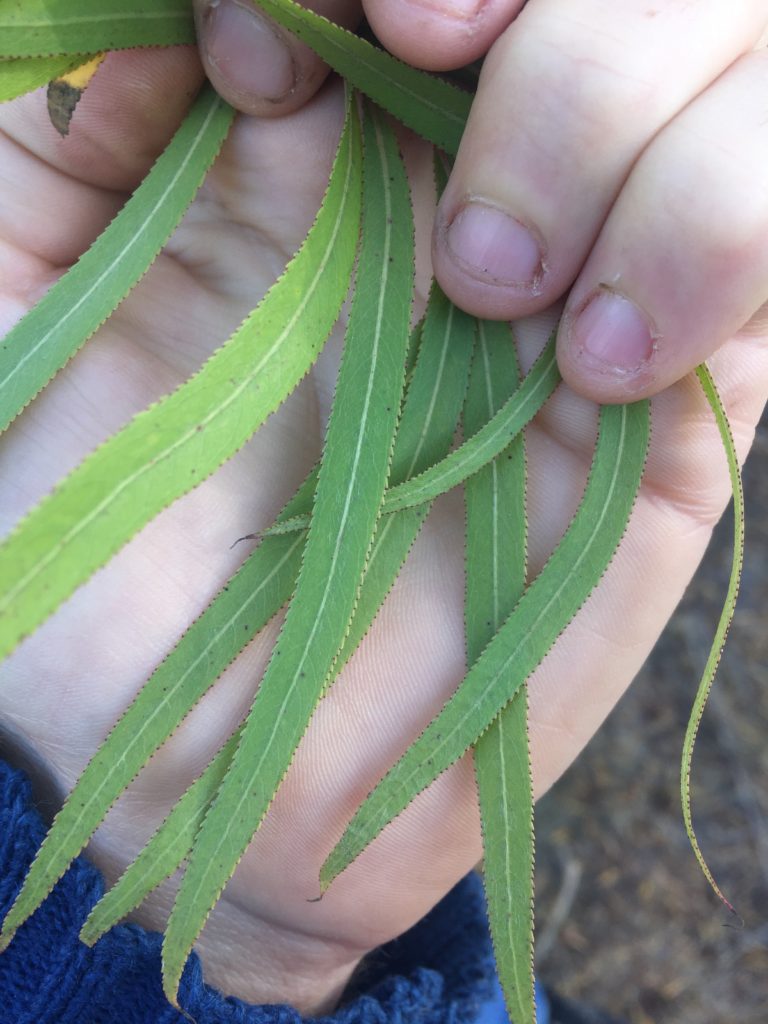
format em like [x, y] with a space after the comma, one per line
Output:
[68, 314]
[165, 851]
[442, 369]
[430, 106]
[246, 603]
[353, 475]
[475, 453]
[545, 609]
[726, 617]
[171, 447]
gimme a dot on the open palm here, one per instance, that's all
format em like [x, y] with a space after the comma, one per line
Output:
[67, 684]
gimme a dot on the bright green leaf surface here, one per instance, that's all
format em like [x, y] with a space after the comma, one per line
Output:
[28, 73]
[38, 28]
[726, 616]
[171, 447]
[496, 536]
[430, 106]
[258, 589]
[545, 609]
[351, 483]
[50, 334]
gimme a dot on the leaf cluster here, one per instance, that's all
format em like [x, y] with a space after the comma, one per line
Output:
[335, 550]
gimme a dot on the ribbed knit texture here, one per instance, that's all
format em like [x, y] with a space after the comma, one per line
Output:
[440, 972]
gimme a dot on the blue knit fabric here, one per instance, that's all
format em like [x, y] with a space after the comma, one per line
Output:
[440, 972]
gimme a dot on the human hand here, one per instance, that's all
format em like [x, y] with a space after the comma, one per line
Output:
[66, 685]
[614, 152]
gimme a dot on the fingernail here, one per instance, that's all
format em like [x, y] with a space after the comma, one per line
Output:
[495, 247]
[247, 51]
[612, 332]
[463, 10]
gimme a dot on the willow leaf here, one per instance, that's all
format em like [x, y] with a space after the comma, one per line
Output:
[53, 330]
[165, 851]
[724, 623]
[496, 535]
[252, 596]
[429, 106]
[442, 370]
[171, 447]
[353, 476]
[27, 73]
[38, 28]
[425, 433]
[544, 610]
[476, 452]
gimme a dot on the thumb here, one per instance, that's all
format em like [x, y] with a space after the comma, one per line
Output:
[256, 65]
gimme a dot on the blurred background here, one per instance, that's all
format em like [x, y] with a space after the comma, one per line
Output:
[625, 919]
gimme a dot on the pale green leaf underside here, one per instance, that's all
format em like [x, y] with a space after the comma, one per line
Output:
[726, 616]
[430, 106]
[20, 76]
[545, 609]
[496, 535]
[351, 482]
[37, 28]
[248, 601]
[165, 851]
[171, 447]
[69, 313]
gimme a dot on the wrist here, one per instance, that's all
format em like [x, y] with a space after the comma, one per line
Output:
[246, 957]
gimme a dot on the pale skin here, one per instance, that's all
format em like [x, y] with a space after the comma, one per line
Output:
[65, 686]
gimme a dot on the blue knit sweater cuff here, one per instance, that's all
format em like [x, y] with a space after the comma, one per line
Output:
[440, 971]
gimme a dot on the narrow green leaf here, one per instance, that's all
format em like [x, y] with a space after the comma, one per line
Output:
[496, 536]
[429, 106]
[351, 483]
[545, 609]
[471, 456]
[53, 330]
[252, 596]
[425, 434]
[262, 585]
[20, 76]
[442, 370]
[478, 450]
[171, 447]
[165, 851]
[726, 617]
[38, 28]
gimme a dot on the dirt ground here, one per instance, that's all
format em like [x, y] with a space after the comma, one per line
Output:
[625, 919]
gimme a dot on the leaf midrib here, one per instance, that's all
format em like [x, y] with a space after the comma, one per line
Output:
[441, 743]
[205, 421]
[290, 688]
[137, 234]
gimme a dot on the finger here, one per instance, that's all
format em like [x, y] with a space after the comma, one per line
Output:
[440, 34]
[682, 262]
[126, 116]
[568, 99]
[255, 64]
